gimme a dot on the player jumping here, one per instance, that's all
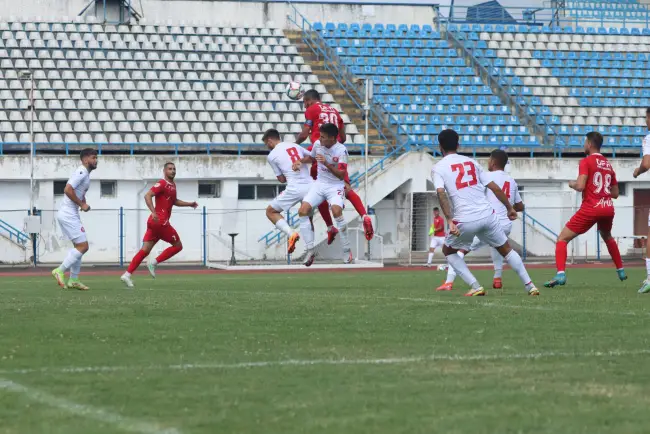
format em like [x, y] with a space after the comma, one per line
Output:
[496, 165]
[317, 114]
[643, 168]
[437, 234]
[332, 158]
[70, 221]
[158, 225]
[460, 183]
[597, 182]
[281, 158]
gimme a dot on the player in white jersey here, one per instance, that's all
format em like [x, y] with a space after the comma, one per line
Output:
[496, 165]
[282, 157]
[460, 183]
[643, 168]
[70, 221]
[332, 158]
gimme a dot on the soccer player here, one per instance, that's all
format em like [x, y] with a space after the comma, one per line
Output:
[437, 234]
[332, 158]
[496, 165]
[317, 114]
[643, 168]
[281, 158]
[158, 225]
[460, 183]
[68, 216]
[597, 182]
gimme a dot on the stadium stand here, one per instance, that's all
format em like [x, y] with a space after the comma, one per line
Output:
[424, 84]
[578, 79]
[148, 85]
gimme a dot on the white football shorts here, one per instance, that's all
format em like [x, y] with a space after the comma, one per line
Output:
[505, 225]
[291, 195]
[320, 192]
[487, 229]
[437, 242]
[72, 228]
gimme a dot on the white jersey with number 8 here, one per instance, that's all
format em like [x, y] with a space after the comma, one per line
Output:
[281, 159]
[464, 180]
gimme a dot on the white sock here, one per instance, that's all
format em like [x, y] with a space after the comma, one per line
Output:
[458, 264]
[127, 274]
[515, 262]
[306, 232]
[75, 269]
[647, 266]
[343, 232]
[430, 258]
[451, 273]
[283, 226]
[497, 260]
[73, 256]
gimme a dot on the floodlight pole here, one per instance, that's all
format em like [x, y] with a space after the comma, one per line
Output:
[28, 75]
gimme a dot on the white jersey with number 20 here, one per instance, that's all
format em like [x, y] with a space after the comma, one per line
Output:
[281, 159]
[465, 181]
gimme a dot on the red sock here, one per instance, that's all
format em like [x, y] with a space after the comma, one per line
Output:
[324, 209]
[356, 202]
[612, 248]
[168, 253]
[135, 262]
[560, 256]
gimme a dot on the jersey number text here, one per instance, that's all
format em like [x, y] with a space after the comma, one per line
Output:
[293, 154]
[602, 183]
[471, 172]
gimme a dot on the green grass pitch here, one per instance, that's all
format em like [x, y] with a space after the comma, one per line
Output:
[336, 352]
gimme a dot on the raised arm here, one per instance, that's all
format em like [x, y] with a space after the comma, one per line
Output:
[499, 194]
[579, 184]
[643, 167]
[148, 199]
[182, 203]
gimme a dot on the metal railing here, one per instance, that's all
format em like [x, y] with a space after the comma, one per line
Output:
[14, 234]
[512, 96]
[378, 117]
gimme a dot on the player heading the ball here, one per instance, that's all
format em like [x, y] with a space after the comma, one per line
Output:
[158, 225]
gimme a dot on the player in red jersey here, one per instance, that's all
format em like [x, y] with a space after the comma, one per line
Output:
[597, 182]
[437, 234]
[317, 114]
[158, 225]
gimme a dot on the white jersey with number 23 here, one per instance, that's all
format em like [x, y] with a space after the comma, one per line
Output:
[464, 180]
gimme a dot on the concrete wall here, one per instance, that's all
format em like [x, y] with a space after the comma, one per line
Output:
[232, 13]
[546, 195]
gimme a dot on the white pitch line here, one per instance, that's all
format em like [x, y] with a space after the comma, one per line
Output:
[94, 413]
[524, 307]
[331, 362]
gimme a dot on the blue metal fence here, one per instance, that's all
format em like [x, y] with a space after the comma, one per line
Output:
[14, 234]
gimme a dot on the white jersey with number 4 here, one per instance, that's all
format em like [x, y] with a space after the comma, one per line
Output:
[509, 187]
[281, 159]
[465, 181]
[337, 154]
[646, 144]
[80, 182]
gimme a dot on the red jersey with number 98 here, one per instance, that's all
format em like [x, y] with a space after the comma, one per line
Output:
[165, 197]
[318, 114]
[597, 195]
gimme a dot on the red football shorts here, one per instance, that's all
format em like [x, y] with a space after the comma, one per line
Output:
[157, 231]
[582, 221]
